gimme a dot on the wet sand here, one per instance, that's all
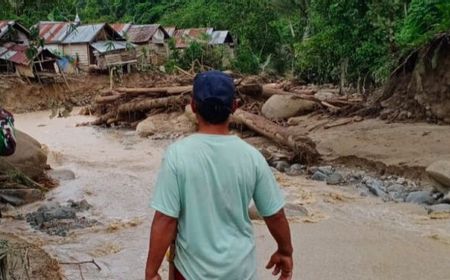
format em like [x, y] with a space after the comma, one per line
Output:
[344, 237]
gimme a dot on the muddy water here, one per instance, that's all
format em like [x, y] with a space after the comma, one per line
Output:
[344, 236]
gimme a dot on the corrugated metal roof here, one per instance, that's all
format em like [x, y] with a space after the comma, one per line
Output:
[54, 32]
[143, 33]
[121, 28]
[15, 53]
[170, 30]
[184, 36]
[83, 33]
[221, 37]
[109, 46]
[6, 24]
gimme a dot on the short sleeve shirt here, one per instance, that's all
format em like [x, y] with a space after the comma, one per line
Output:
[207, 182]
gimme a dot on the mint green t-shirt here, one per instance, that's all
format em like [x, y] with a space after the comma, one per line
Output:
[207, 182]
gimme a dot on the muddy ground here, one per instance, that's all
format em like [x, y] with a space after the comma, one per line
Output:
[338, 234]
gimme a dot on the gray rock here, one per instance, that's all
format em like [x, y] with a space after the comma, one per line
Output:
[19, 197]
[439, 171]
[296, 170]
[319, 176]
[396, 188]
[286, 106]
[327, 170]
[61, 174]
[281, 165]
[438, 208]
[335, 179]
[146, 128]
[313, 169]
[420, 197]
[375, 187]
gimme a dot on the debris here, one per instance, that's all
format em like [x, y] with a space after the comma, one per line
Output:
[319, 176]
[420, 197]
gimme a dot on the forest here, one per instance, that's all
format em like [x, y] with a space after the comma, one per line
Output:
[356, 42]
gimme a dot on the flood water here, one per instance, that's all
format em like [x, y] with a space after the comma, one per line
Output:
[345, 236]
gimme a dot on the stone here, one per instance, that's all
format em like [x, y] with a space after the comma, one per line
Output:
[296, 170]
[286, 106]
[146, 128]
[61, 174]
[438, 208]
[29, 158]
[19, 197]
[396, 188]
[375, 187]
[281, 165]
[439, 171]
[324, 95]
[420, 197]
[328, 170]
[319, 176]
[335, 179]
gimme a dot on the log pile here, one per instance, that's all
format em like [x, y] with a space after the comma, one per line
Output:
[128, 106]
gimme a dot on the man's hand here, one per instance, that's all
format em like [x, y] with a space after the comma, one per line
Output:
[282, 263]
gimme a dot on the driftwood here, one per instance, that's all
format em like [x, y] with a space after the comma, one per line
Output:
[303, 146]
[149, 103]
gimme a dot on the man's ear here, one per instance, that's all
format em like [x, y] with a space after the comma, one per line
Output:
[193, 106]
[234, 107]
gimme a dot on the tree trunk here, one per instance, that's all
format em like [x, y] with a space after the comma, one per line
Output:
[148, 104]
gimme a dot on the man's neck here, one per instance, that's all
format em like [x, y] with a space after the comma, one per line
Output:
[220, 129]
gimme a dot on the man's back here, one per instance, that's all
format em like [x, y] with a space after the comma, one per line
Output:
[207, 182]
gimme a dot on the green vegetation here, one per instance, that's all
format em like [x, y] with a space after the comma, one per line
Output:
[341, 41]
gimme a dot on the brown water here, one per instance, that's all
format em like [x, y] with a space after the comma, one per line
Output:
[344, 237]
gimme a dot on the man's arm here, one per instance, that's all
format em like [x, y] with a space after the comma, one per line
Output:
[163, 233]
[282, 258]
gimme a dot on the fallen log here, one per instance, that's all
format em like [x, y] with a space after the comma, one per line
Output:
[250, 89]
[269, 90]
[104, 118]
[149, 103]
[303, 147]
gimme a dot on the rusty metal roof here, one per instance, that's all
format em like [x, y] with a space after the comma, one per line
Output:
[121, 28]
[54, 32]
[144, 33]
[14, 53]
[184, 36]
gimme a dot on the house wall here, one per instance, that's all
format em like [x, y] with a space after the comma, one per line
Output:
[24, 71]
[81, 49]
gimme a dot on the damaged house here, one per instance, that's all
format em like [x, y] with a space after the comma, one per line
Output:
[150, 40]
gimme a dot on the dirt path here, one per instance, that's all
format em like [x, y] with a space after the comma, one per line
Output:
[343, 236]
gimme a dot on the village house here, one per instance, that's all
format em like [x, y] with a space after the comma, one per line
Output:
[150, 40]
[183, 37]
[13, 32]
[54, 32]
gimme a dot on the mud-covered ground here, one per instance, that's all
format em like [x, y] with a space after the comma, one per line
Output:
[338, 234]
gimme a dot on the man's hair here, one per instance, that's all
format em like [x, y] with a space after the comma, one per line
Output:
[213, 111]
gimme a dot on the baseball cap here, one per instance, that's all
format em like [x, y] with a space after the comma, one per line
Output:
[214, 87]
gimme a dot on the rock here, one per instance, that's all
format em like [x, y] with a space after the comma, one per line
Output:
[19, 197]
[335, 179]
[324, 95]
[296, 170]
[286, 106]
[61, 174]
[146, 127]
[438, 208]
[439, 171]
[375, 187]
[29, 158]
[80, 206]
[396, 188]
[420, 197]
[327, 170]
[282, 165]
[319, 176]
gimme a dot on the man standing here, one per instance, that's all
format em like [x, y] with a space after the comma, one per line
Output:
[203, 192]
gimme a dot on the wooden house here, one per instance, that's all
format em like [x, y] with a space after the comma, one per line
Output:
[13, 32]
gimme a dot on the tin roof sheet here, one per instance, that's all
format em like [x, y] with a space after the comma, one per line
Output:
[54, 32]
[108, 46]
[83, 33]
[220, 37]
[121, 28]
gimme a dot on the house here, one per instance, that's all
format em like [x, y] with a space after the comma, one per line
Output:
[183, 37]
[53, 33]
[79, 43]
[150, 39]
[14, 58]
[170, 30]
[12, 31]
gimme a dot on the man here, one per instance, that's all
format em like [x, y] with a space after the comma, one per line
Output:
[203, 192]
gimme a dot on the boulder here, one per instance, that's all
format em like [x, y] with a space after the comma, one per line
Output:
[420, 197]
[439, 171]
[19, 197]
[335, 179]
[146, 127]
[438, 208]
[29, 158]
[319, 176]
[163, 124]
[286, 106]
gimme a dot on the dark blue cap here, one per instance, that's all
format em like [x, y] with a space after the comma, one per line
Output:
[215, 87]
